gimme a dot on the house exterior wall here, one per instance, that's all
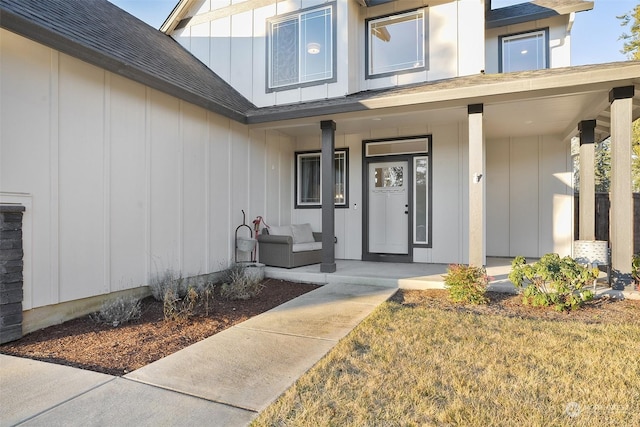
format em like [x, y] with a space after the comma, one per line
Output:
[529, 195]
[121, 182]
[234, 47]
[559, 41]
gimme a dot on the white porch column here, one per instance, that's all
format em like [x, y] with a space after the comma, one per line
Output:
[621, 214]
[328, 204]
[477, 227]
[587, 226]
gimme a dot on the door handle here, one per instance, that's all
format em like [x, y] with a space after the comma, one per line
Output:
[407, 212]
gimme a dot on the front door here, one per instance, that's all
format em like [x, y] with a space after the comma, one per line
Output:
[388, 208]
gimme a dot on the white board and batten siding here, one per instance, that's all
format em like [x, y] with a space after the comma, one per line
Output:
[529, 198]
[235, 46]
[120, 181]
[559, 41]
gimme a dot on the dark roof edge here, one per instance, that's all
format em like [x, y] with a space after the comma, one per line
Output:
[520, 13]
[29, 29]
[512, 20]
[306, 112]
[354, 102]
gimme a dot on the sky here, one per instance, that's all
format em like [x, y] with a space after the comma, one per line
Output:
[594, 38]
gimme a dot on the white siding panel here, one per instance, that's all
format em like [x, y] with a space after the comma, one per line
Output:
[221, 48]
[260, 96]
[220, 189]
[241, 53]
[447, 202]
[498, 197]
[82, 199]
[200, 43]
[470, 37]
[443, 39]
[25, 154]
[523, 197]
[166, 184]
[194, 200]
[311, 93]
[353, 222]
[128, 222]
[257, 176]
[240, 164]
[556, 201]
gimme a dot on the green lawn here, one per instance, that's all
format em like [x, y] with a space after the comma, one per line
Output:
[417, 364]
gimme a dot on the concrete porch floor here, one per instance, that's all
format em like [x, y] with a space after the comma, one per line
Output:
[414, 276]
[395, 275]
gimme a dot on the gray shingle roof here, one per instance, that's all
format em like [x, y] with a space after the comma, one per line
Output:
[530, 11]
[104, 35]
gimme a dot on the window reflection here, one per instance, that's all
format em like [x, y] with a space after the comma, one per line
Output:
[389, 177]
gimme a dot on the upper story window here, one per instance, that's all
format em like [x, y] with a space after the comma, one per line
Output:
[301, 48]
[396, 43]
[525, 51]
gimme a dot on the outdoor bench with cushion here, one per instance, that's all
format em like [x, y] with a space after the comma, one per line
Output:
[290, 246]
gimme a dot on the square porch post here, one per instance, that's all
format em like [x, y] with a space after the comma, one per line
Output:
[621, 215]
[587, 226]
[328, 204]
[477, 229]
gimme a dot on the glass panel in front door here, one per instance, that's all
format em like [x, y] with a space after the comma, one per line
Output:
[388, 208]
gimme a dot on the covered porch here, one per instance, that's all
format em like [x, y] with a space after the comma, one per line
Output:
[499, 167]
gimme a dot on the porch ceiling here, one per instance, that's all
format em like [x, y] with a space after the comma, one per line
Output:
[544, 102]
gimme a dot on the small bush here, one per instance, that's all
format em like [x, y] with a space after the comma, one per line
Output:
[553, 281]
[239, 286]
[176, 308]
[467, 283]
[118, 311]
[169, 280]
[635, 270]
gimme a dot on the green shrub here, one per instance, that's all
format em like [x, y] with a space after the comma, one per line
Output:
[118, 311]
[467, 283]
[238, 285]
[552, 280]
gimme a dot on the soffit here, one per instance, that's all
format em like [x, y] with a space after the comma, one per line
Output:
[530, 103]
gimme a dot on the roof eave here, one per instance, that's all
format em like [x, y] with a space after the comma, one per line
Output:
[175, 16]
[544, 13]
[549, 83]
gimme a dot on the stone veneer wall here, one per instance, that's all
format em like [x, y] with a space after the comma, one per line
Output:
[11, 264]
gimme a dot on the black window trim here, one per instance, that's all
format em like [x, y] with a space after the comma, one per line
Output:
[344, 205]
[547, 52]
[334, 44]
[367, 74]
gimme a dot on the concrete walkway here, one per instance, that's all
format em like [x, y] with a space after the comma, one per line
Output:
[224, 380]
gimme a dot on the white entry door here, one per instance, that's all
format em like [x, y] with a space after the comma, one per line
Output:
[388, 207]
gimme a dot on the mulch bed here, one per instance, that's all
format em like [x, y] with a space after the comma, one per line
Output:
[86, 344]
[83, 343]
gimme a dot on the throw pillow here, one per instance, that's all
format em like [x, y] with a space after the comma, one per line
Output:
[280, 230]
[302, 233]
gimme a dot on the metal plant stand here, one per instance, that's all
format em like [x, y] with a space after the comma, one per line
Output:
[244, 244]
